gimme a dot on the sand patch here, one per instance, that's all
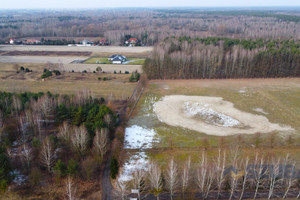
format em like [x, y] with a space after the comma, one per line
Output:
[211, 115]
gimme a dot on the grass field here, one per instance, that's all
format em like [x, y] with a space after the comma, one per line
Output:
[276, 99]
[67, 83]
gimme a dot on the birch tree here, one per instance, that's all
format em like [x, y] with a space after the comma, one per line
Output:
[139, 181]
[47, 154]
[185, 178]
[65, 132]
[101, 141]
[80, 139]
[171, 177]
[155, 179]
[70, 189]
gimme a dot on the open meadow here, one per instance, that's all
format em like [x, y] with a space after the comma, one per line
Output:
[66, 83]
[160, 136]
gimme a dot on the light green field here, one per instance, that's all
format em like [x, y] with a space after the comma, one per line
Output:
[278, 98]
[97, 60]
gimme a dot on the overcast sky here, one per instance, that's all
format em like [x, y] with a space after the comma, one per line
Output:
[16, 4]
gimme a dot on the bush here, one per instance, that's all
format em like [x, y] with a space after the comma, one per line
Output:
[22, 68]
[5, 168]
[84, 71]
[104, 78]
[114, 167]
[115, 72]
[135, 77]
[57, 72]
[73, 167]
[60, 169]
[126, 72]
[99, 78]
[46, 74]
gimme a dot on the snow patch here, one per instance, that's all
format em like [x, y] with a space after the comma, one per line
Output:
[195, 109]
[135, 162]
[137, 137]
[19, 179]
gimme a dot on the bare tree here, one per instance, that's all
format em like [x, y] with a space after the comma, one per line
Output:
[138, 181]
[258, 176]
[70, 189]
[26, 154]
[23, 127]
[274, 175]
[37, 121]
[47, 154]
[101, 141]
[185, 178]
[155, 179]
[65, 132]
[220, 165]
[16, 103]
[290, 180]
[80, 139]
[121, 188]
[171, 177]
[246, 172]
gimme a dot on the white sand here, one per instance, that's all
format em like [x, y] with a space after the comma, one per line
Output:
[211, 115]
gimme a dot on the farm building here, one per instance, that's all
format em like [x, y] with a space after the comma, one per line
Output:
[32, 41]
[11, 41]
[131, 42]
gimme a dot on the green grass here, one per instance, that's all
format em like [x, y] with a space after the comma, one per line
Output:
[137, 62]
[97, 60]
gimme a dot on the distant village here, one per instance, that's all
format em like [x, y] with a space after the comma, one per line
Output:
[101, 42]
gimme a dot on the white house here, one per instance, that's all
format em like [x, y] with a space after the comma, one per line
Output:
[117, 59]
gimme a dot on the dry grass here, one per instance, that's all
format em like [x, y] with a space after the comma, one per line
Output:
[67, 83]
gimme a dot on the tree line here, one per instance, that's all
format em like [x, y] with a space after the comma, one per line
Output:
[148, 25]
[226, 174]
[188, 58]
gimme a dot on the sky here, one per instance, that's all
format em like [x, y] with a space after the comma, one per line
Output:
[60, 4]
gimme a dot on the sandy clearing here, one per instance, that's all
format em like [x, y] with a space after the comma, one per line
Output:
[170, 110]
[39, 59]
[99, 49]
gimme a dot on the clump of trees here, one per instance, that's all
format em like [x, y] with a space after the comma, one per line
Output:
[135, 77]
[187, 58]
[45, 135]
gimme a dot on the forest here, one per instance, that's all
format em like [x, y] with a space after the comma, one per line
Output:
[52, 141]
[215, 57]
[150, 25]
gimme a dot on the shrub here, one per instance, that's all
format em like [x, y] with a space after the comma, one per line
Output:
[22, 68]
[114, 167]
[126, 72]
[73, 167]
[135, 77]
[46, 74]
[57, 72]
[115, 72]
[84, 71]
[104, 78]
[60, 169]
[99, 78]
